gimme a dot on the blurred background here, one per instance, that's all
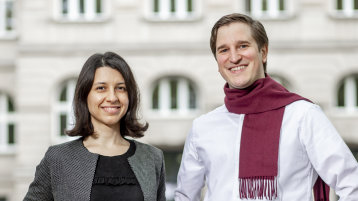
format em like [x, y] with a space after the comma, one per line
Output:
[313, 51]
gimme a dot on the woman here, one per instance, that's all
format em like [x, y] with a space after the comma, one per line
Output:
[102, 164]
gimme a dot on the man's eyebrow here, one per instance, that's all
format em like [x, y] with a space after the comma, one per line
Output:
[242, 41]
[220, 47]
[237, 42]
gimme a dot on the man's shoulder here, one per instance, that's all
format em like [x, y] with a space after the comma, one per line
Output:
[213, 114]
[301, 105]
[301, 108]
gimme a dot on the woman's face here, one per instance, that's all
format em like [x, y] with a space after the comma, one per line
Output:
[107, 100]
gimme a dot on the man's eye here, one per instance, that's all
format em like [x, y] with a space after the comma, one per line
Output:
[243, 46]
[223, 50]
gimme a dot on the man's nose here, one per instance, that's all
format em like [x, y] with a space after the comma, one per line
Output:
[234, 56]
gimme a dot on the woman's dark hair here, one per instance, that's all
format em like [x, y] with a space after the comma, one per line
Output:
[129, 124]
[257, 30]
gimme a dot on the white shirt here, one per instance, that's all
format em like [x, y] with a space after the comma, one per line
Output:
[309, 144]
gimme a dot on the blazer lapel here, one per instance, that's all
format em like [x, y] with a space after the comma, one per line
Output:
[143, 167]
[78, 170]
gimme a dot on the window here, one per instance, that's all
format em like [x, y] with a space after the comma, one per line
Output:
[3, 199]
[7, 124]
[6, 18]
[173, 9]
[282, 81]
[172, 163]
[174, 94]
[347, 95]
[266, 8]
[63, 115]
[347, 7]
[81, 10]
[355, 153]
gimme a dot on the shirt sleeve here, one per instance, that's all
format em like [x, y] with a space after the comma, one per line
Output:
[329, 155]
[40, 189]
[191, 173]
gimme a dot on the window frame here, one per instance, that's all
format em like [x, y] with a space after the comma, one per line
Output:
[75, 14]
[168, 15]
[5, 21]
[347, 11]
[7, 118]
[271, 13]
[350, 100]
[184, 86]
[62, 108]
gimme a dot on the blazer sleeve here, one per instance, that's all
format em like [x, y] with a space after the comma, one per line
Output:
[40, 189]
[161, 184]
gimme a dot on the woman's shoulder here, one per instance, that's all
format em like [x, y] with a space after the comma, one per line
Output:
[146, 151]
[64, 148]
[146, 147]
[67, 145]
[147, 155]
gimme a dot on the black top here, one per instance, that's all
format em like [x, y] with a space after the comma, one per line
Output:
[114, 179]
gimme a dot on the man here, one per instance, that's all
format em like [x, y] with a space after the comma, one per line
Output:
[264, 143]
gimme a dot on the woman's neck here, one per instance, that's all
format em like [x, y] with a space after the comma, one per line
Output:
[106, 141]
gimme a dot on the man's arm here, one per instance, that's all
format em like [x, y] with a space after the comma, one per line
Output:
[191, 173]
[329, 155]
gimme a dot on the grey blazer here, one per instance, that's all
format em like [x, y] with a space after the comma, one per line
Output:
[67, 171]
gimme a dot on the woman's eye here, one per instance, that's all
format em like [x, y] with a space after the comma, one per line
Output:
[100, 88]
[121, 88]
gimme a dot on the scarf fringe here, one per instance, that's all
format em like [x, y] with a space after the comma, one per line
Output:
[258, 187]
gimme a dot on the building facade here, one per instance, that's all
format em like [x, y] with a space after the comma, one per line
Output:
[44, 43]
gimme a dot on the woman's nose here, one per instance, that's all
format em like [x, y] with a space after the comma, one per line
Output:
[111, 96]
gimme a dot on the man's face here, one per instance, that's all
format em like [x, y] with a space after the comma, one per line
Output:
[239, 60]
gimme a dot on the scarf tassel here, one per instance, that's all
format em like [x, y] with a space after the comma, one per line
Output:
[258, 187]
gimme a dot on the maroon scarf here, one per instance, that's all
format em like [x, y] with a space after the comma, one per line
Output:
[263, 104]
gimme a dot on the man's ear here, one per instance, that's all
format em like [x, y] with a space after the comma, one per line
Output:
[264, 51]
